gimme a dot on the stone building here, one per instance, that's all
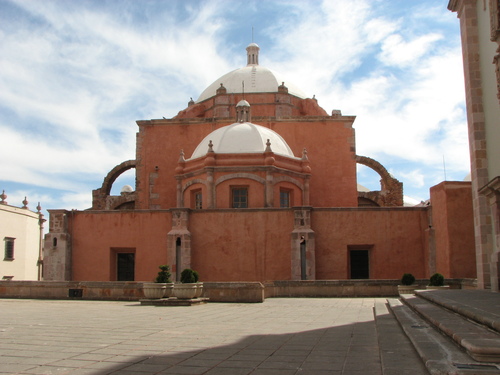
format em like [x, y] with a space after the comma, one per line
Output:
[254, 181]
[22, 233]
[480, 33]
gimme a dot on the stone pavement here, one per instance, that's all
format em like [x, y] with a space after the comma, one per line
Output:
[278, 337]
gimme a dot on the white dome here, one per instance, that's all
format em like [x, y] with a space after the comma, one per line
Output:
[253, 78]
[243, 137]
[256, 79]
[127, 189]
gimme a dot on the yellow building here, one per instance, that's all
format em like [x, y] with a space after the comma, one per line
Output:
[21, 231]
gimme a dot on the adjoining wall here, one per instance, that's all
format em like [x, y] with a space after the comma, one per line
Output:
[453, 225]
[98, 236]
[257, 244]
[394, 237]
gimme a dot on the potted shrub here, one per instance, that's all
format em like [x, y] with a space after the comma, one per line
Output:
[437, 282]
[407, 284]
[157, 289]
[163, 277]
[189, 287]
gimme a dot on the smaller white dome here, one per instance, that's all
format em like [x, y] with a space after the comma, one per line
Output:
[243, 103]
[127, 189]
[242, 138]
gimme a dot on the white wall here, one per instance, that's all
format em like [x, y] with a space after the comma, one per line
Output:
[21, 224]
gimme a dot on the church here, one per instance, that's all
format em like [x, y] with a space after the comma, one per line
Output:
[254, 181]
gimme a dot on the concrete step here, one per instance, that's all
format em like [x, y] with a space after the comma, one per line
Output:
[440, 354]
[397, 354]
[479, 306]
[480, 342]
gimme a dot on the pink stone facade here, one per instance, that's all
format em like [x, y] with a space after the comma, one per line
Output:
[301, 216]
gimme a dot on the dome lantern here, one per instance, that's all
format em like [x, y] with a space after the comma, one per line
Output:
[253, 54]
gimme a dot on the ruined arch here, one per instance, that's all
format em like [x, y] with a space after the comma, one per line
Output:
[114, 174]
[391, 190]
[101, 199]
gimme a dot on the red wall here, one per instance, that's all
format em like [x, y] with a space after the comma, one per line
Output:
[329, 142]
[253, 245]
[454, 229]
[395, 238]
[94, 234]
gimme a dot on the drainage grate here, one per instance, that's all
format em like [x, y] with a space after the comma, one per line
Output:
[75, 293]
[419, 327]
[468, 366]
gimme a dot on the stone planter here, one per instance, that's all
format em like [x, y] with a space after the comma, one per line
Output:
[407, 289]
[199, 290]
[169, 290]
[185, 291]
[153, 290]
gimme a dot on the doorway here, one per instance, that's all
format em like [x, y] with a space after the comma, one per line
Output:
[359, 264]
[125, 266]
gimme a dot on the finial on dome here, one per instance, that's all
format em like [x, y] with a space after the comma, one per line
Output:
[191, 102]
[181, 157]
[210, 146]
[253, 54]
[25, 203]
[3, 196]
[268, 146]
[282, 88]
[304, 154]
[221, 90]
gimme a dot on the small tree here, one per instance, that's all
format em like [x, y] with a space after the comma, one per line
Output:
[164, 274]
[189, 276]
[407, 279]
[436, 280]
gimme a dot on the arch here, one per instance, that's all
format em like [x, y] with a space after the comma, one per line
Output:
[240, 175]
[297, 183]
[375, 165]
[193, 182]
[391, 192]
[114, 174]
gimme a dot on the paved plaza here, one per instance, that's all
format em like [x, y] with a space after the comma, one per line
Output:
[278, 337]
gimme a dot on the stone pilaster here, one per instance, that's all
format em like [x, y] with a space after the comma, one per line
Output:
[57, 248]
[179, 242]
[467, 13]
[303, 266]
[492, 193]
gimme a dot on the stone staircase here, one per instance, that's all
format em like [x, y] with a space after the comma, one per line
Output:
[454, 332]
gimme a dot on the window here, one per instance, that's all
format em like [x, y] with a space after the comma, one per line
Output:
[9, 248]
[284, 198]
[239, 197]
[198, 200]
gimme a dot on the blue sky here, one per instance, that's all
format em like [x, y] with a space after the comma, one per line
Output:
[76, 75]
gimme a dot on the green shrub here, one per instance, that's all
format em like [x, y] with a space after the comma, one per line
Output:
[189, 276]
[164, 274]
[407, 279]
[436, 280]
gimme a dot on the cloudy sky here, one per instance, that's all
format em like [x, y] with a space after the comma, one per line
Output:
[76, 75]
